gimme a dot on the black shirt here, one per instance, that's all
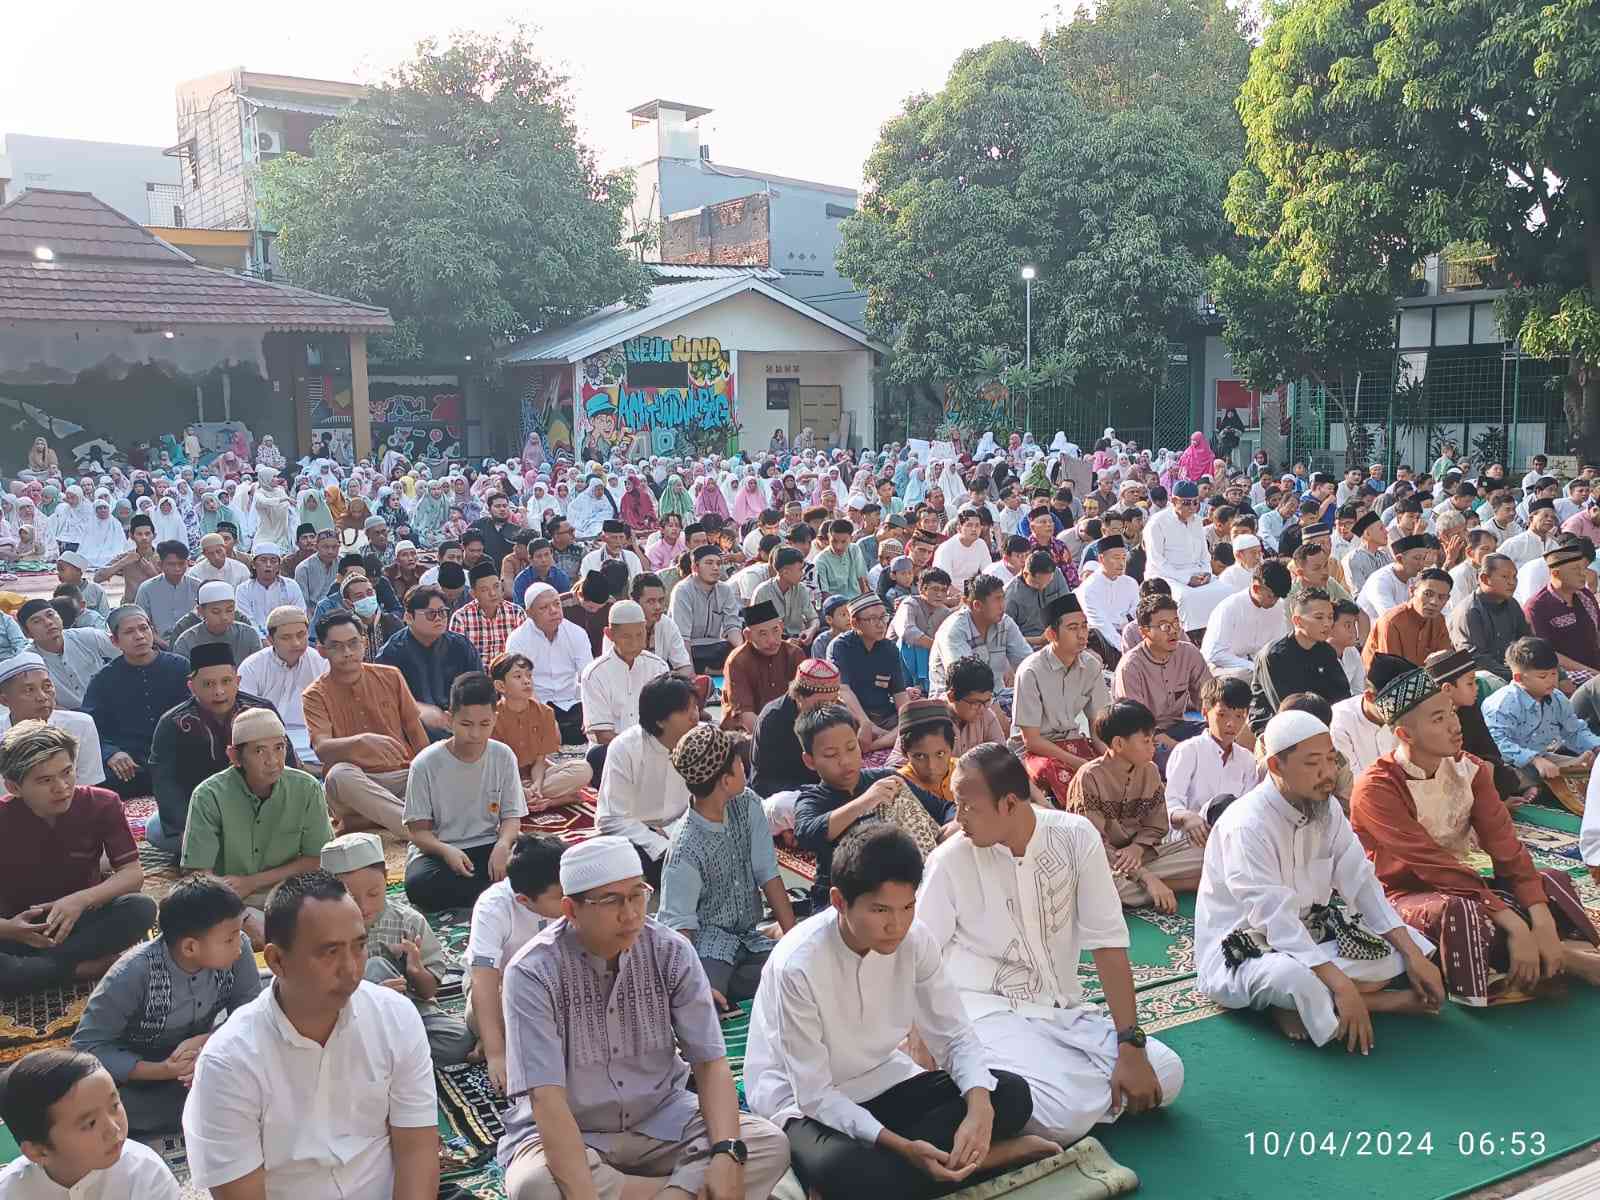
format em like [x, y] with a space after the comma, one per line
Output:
[776, 752]
[817, 802]
[1284, 668]
[496, 539]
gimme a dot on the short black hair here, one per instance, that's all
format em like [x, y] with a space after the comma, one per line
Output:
[1309, 597]
[287, 898]
[813, 724]
[472, 535]
[537, 544]
[595, 588]
[770, 542]
[1531, 654]
[768, 516]
[981, 587]
[1229, 693]
[350, 559]
[1435, 575]
[196, 904]
[1274, 576]
[945, 727]
[472, 687]
[332, 619]
[421, 596]
[1222, 553]
[1017, 544]
[535, 864]
[1123, 719]
[447, 544]
[35, 1084]
[968, 675]
[506, 663]
[642, 581]
[1309, 702]
[840, 526]
[1349, 608]
[1040, 562]
[170, 547]
[934, 575]
[1152, 604]
[871, 855]
[1002, 771]
[660, 698]
[140, 521]
[786, 556]
[801, 532]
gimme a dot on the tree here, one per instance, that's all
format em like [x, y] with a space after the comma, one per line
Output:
[1381, 130]
[458, 195]
[1117, 202]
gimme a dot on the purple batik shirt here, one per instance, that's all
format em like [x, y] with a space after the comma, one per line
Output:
[610, 1038]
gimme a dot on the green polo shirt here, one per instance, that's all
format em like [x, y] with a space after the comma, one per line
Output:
[231, 831]
[841, 574]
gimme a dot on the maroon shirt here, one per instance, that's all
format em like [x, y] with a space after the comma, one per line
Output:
[40, 863]
[1573, 629]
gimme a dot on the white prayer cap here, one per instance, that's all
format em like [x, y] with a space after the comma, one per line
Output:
[535, 592]
[1288, 729]
[214, 591]
[625, 612]
[1246, 541]
[354, 851]
[20, 663]
[73, 559]
[597, 862]
[405, 545]
[266, 550]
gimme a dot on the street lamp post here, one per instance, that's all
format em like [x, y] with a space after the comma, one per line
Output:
[1028, 273]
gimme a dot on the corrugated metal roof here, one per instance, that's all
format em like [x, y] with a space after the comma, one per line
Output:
[676, 272]
[108, 270]
[298, 106]
[668, 301]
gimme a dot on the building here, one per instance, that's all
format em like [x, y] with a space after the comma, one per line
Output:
[230, 123]
[140, 182]
[718, 359]
[110, 337]
[705, 207]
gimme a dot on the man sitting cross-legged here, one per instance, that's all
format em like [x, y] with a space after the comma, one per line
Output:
[154, 1009]
[596, 1008]
[321, 1085]
[839, 996]
[1164, 672]
[1122, 795]
[1420, 811]
[1060, 687]
[59, 919]
[610, 685]
[257, 821]
[219, 622]
[1301, 662]
[281, 672]
[128, 697]
[1267, 934]
[721, 863]
[1011, 902]
[403, 952]
[1213, 765]
[464, 804]
[504, 920]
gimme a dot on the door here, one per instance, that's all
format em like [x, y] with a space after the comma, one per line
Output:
[820, 408]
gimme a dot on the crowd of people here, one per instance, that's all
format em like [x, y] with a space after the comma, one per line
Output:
[999, 698]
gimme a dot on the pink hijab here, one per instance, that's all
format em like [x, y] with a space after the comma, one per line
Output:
[708, 498]
[1196, 461]
[749, 501]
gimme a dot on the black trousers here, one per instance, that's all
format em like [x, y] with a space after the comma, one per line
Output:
[99, 933]
[708, 659]
[431, 886]
[926, 1108]
[131, 789]
[570, 722]
[597, 762]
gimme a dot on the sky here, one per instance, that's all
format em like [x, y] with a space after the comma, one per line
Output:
[798, 89]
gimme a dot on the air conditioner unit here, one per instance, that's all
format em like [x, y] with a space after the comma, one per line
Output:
[268, 141]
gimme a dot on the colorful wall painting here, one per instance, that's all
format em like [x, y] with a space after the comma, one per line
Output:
[420, 416]
[545, 406]
[654, 395]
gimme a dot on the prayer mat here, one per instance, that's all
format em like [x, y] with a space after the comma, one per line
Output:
[138, 813]
[470, 1108]
[570, 822]
[802, 862]
[1083, 1171]
[32, 1018]
[1160, 948]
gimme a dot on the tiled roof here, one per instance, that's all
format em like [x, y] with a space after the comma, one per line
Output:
[107, 269]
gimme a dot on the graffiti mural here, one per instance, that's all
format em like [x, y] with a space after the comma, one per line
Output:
[420, 416]
[546, 409]
[655, 395]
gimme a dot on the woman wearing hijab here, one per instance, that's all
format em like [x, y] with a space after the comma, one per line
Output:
[1196, 461]
[169, 522]
[676, 501]
[431, 513]
[310, 510]
[352, 526]
[708, 498]
[638, 506]
[34, 543]
[748, 501]
[104, 538]
[70, 521]
[268, 454]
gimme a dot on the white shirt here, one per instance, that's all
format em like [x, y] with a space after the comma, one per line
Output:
[1531, 576]
[746, 580]
[256, 602]
[1176, 550]
[91, 772]
[1266, 865]
[1356, 737]
[997, 568]
[610, 689]
[557, 662]
[1109, 604]
[1463, 582]
[266, 675]
[599, 556]
[827, 1024]
[1197, 775]
[139, 1171]
[500, 927]
[960, 562]
[1589, 832]
[1354, 669]
[1382, 591]
[1237, 577]
[232, 572]
[1023, 920]
[641, 791]
[1525, 547]
[316, 1117]
[1238, 629]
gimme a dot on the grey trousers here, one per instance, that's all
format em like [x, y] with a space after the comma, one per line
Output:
[449, 1039]
[736, 981]
[155, 1107]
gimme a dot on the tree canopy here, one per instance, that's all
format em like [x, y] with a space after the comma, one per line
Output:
[1380, 131]
[1083, 156]
[458, 195]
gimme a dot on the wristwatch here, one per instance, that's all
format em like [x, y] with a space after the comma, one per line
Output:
[734, 1149]
[1132, 1036]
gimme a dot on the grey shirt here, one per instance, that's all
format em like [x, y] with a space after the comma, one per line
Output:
[315, 578]
[1361, 562]
[1487, 629]
[1027, 607]
[164, 604]
[795, 606]
[706, 616]
[146, 1004]
[1050, 697]
[1003, 647]
[83, 653]
[243, 638]
[466, 801]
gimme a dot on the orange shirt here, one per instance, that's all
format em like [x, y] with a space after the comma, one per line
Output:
[380, 702]
[531, 733]
[754, 680]
[1403, 632]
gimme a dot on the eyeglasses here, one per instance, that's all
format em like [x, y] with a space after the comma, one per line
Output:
[1165, 626]
[435, 614]
[614, 902]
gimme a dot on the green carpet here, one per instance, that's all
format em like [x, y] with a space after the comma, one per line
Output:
[1488, 1072]
[1547, 818]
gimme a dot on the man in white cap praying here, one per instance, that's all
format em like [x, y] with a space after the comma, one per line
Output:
[1267, 932]
[596, 1008]
[219, 624]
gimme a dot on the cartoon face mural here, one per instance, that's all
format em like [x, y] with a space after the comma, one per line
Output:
[656, 395]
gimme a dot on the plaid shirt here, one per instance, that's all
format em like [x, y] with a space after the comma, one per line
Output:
[570, 560]
[487, 634]
[398, 922]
